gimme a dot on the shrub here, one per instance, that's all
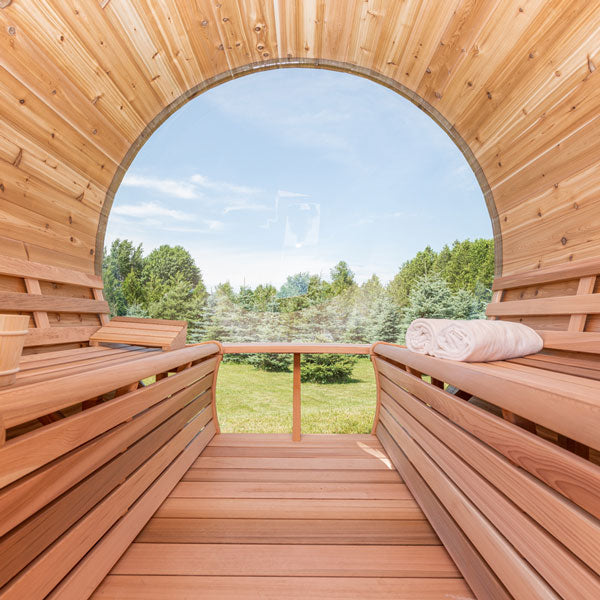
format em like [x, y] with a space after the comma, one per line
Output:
[327, 368]
[277, 363]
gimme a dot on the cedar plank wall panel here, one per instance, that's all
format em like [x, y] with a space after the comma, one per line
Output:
[513, 82]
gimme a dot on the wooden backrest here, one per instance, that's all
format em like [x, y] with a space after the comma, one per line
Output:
[77, 488]
[65, 306]
[562, 303]
[153, 333]
[519, 514]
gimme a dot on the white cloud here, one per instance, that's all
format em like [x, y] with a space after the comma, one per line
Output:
[147, 210]
[285, 194]
[255, 207]
[207, 228]
[171, 187]
[214, 225]
[222, 186]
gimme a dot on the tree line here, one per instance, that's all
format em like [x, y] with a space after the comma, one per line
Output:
[167, 284]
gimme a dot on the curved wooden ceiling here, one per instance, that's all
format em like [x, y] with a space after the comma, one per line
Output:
[85, 82]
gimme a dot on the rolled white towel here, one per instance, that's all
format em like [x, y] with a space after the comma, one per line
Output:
[421, 334]
[484, 341]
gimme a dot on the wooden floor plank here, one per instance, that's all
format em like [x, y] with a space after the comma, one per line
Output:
[326, 440]
[236, 462]
[288, 531]
[278, 508]
[239, 560]
[324, 490]
[124, 587]
[260, 516]
[298, 451]
[256, 475]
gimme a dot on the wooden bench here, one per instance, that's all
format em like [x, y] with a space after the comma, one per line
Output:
[92, 439]
[512, 480]
[528, 508]
[88, 451]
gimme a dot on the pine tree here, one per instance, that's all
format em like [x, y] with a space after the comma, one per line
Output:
[412, 270]
[389, 322]
[357, 330]
[180, 302]
[342, 278]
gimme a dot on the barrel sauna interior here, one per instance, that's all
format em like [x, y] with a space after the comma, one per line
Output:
[478, 480]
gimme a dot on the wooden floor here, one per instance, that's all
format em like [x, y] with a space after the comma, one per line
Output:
[258, 516]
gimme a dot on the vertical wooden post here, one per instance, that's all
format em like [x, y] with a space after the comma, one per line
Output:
[297, 402]
[507, 415]
[40, 318]
[378, 390]
[214, 390]
[99, 295]
[586, 286]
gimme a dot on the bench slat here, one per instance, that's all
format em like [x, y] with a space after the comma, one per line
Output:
[562, 272]
[561, 305]
[89, 573]
[23, 544]
[48, 570]
[18, 267]
[37, 302]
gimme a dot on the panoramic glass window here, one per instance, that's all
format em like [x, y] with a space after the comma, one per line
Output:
[299, 206]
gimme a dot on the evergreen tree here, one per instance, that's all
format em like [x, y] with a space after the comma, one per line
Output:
[467, 264]
[113, 291]
[295, 285]
[133, 289]
[357, 330]
[430, 298]
[245, 298]
[401, 286]
[388, 323]
[465, 306]
[136, 310]
[264, 298]
[318, 290]
[179, 302]
[342, 278]
[327, 368]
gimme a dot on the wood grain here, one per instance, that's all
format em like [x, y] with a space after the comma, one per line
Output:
[135, 587]
[576, 479]
[282, 560]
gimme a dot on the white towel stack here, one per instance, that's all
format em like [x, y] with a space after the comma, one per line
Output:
[472, 341]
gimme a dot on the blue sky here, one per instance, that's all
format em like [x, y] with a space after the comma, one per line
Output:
[293, 170]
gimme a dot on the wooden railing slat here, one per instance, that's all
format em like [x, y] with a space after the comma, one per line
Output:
[291, 348]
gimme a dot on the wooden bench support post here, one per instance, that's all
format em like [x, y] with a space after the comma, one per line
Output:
[297, 402]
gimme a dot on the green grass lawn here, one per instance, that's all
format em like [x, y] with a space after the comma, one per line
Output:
[253, 401]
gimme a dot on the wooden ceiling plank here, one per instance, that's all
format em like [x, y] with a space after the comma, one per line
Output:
[460, 34]
[143, 39]
[109, 62]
